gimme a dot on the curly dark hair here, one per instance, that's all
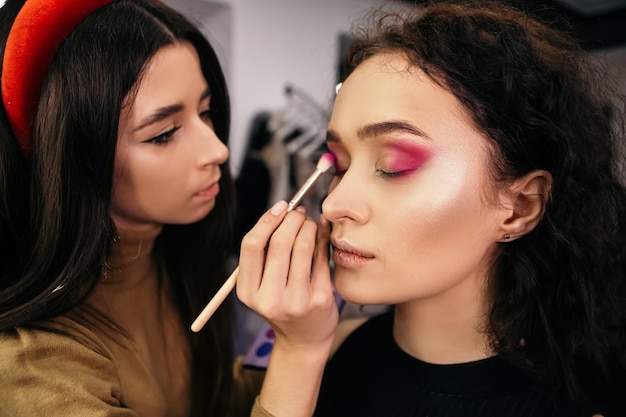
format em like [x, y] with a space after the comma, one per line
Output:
[545, 103]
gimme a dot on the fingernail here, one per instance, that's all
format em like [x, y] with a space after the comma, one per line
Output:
[301, 209]
[278, 208]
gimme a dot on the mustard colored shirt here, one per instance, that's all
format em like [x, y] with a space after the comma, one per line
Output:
[78, 367]
[66, 370]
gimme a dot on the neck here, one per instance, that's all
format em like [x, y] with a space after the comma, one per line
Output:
[131, 262]
[130, 291]
[446, 328]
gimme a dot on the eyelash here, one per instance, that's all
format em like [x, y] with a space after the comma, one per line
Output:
[163, 138]
[383, 174]
[386, 175]
[166, 137]
[335, 172]
[208, 114]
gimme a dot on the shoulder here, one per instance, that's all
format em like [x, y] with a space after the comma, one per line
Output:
[56, 365]
[344, 329]
[356, 330]
[60, 335]
[360, 355]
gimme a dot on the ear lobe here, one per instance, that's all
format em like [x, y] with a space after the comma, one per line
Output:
[524, 204]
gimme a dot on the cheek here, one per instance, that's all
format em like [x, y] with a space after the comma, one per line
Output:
[145, 185]
[442, 211]
[147, 170]
[121, 176]
[439, 195]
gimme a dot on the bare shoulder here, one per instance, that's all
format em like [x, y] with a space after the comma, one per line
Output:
[344, 328]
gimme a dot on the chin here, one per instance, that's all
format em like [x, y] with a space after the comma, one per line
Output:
[353, 292]
[205, 210]
[193, 217]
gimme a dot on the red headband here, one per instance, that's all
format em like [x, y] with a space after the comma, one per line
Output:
[39, 29]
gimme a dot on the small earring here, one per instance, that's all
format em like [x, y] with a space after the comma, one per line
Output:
[507, 236]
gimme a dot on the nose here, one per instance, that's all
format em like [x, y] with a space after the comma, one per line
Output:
[210, 150]
[346, 200]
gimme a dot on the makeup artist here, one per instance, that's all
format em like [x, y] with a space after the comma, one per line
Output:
[116, 203]
[479, 192]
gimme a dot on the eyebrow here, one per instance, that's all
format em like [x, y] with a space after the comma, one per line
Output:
[165, 112]
[381, 128]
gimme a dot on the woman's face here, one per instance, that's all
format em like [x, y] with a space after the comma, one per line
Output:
[168, 156]
[412, 206]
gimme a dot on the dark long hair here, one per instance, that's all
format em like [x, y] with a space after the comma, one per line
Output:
[557, 293]
[13, 179]
[69, 230]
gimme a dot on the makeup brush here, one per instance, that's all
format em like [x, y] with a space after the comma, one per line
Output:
[325, 162]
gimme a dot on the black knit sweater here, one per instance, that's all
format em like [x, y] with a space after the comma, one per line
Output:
[371, 376]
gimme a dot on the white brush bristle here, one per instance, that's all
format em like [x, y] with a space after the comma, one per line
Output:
[326, 161]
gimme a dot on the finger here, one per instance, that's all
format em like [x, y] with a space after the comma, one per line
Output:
[252, 251]
[279, 254]
[299, 279]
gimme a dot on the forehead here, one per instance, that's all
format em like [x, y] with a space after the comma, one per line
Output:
[173, 69]
[172, 77]
[386, 87]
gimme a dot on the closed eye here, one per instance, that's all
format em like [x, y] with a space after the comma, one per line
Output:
[336, 171]
[385, 174]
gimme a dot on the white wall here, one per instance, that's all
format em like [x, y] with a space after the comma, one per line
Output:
[266, 44]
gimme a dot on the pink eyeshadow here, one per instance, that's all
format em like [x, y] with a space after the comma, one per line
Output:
[407, 156]
[336, 164]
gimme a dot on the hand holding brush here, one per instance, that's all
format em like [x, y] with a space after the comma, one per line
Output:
[325, 162]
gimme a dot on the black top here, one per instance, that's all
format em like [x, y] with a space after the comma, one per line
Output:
[371, 376]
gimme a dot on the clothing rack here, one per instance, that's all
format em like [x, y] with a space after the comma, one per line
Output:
[301, 125]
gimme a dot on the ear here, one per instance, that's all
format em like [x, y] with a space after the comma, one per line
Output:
[523, 204]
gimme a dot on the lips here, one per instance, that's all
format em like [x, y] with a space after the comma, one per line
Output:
[209, 192]
[348, 256]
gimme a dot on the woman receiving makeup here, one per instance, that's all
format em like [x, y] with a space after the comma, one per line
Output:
[477, 193]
